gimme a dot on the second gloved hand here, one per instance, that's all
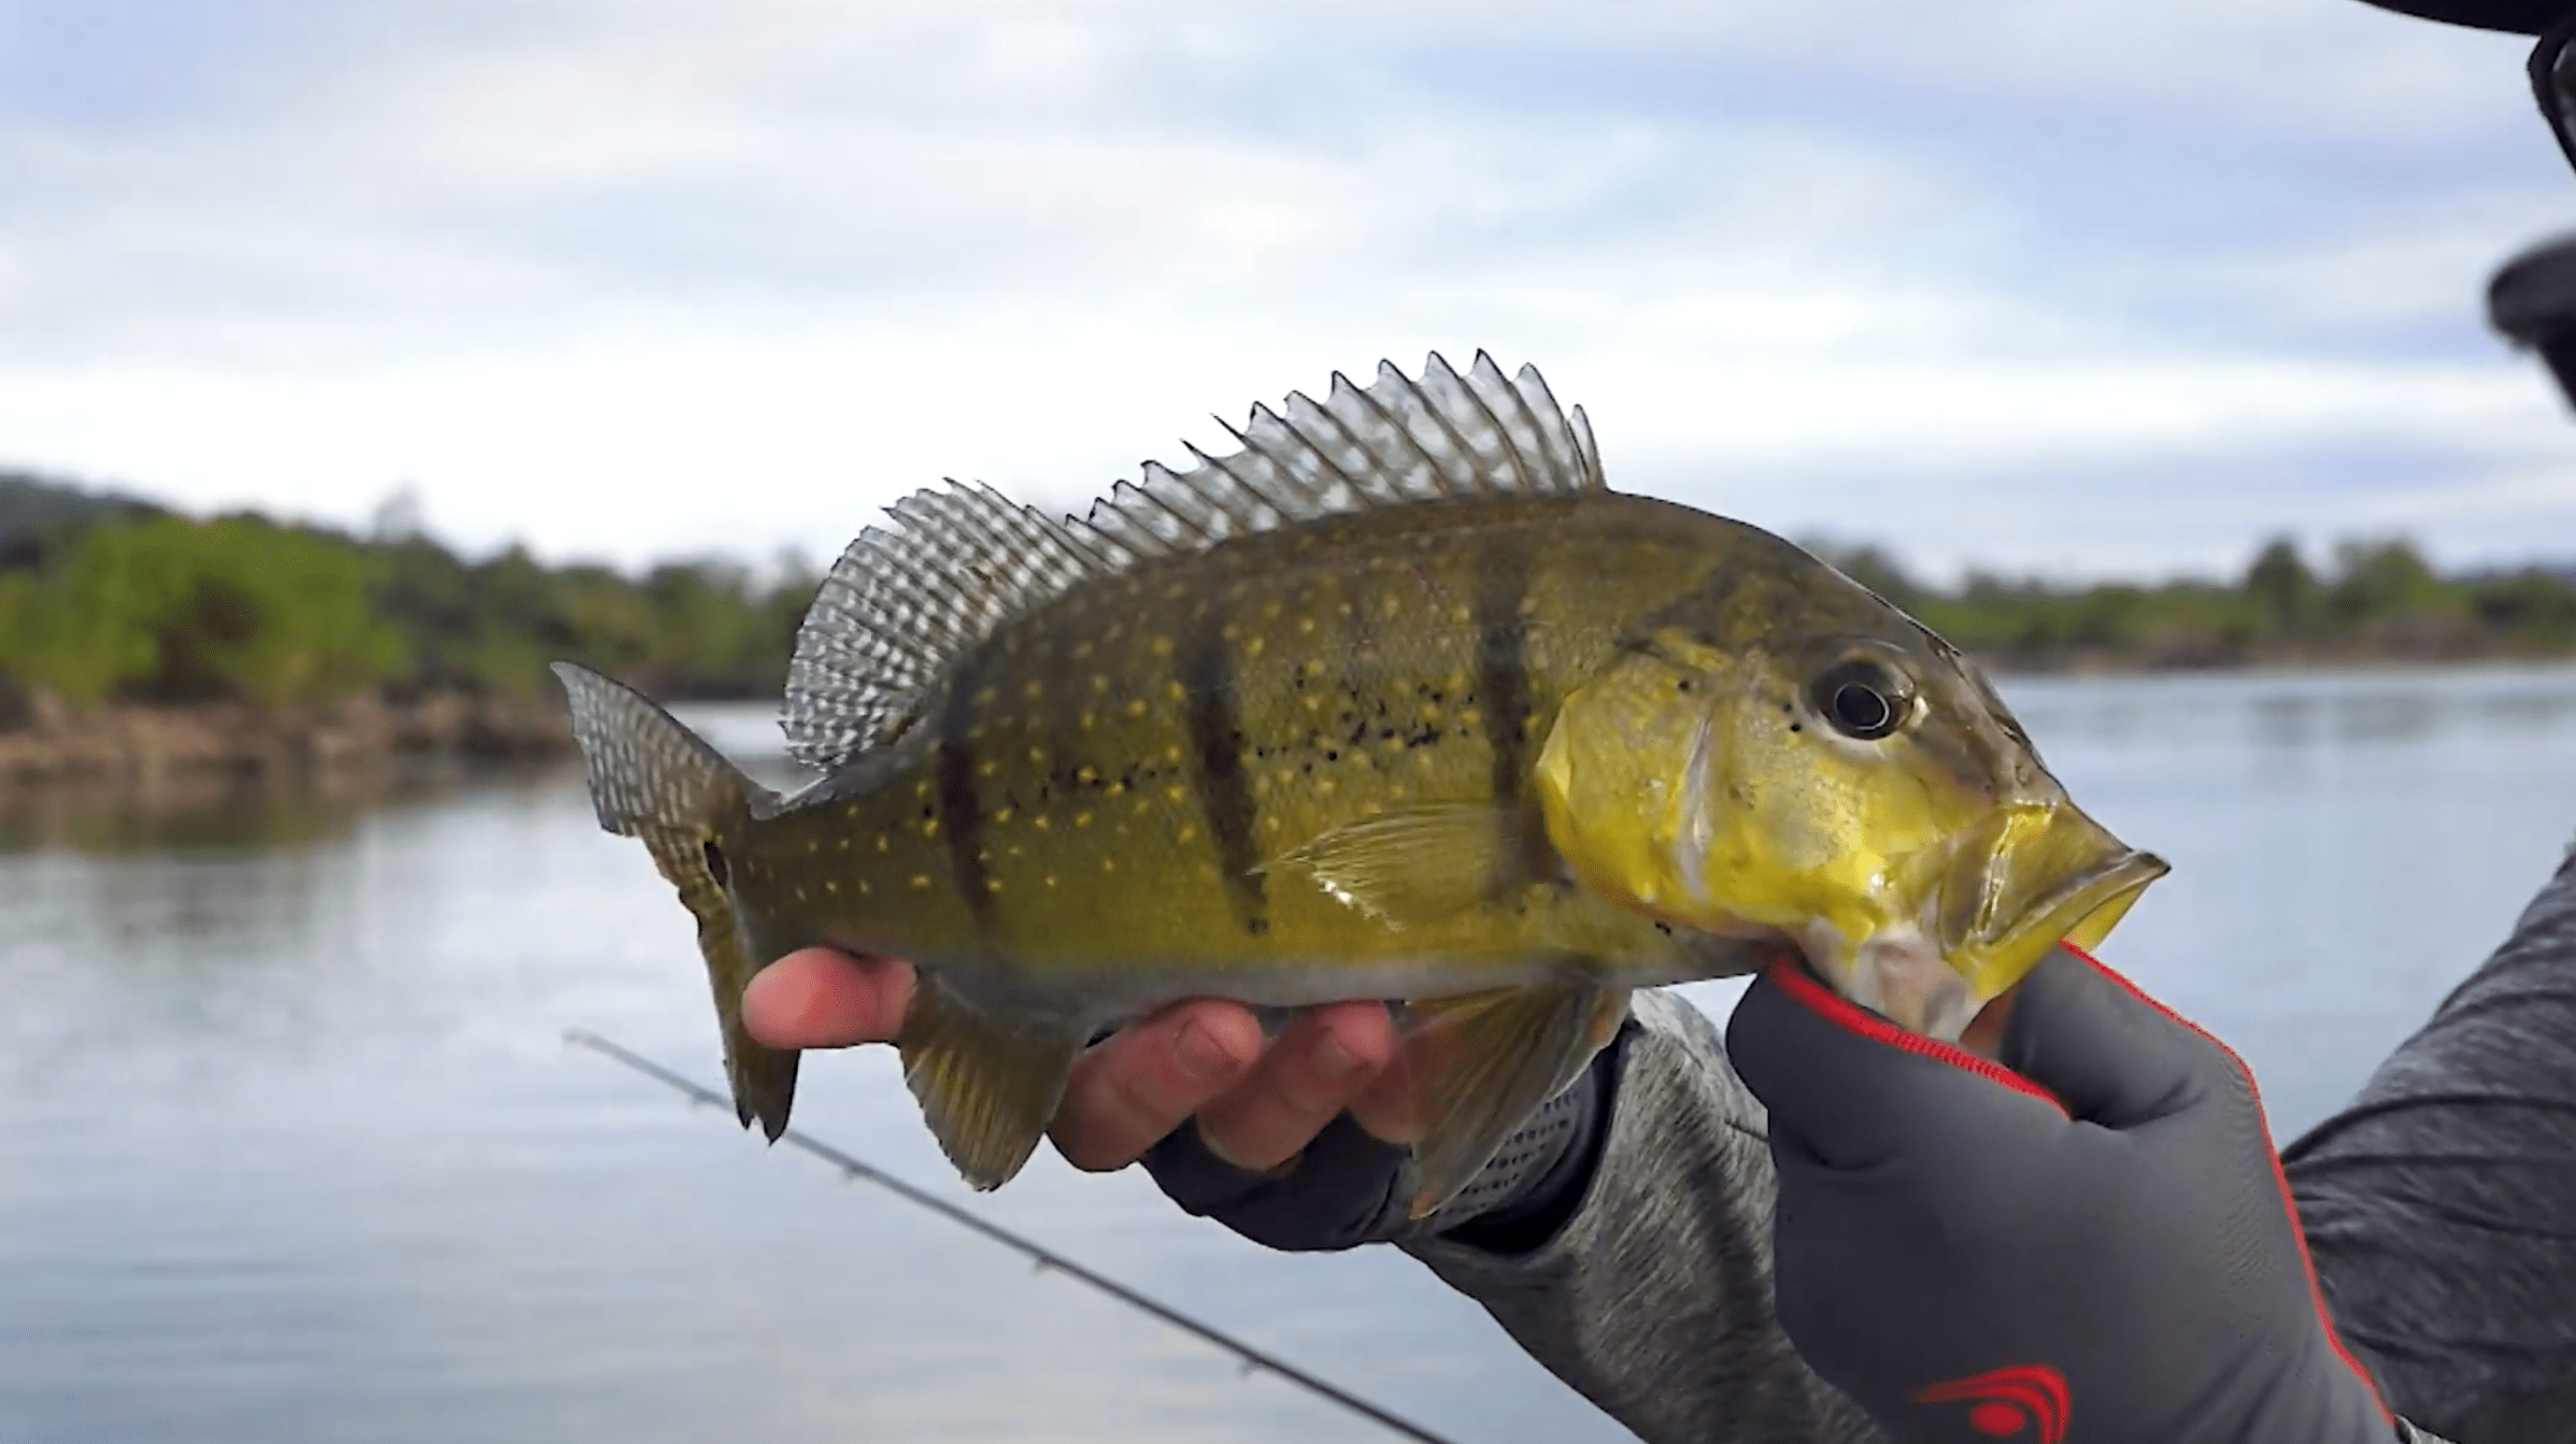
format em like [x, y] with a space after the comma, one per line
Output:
[2094, 1247]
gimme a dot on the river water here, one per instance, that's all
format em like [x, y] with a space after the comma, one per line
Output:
[291, 1149]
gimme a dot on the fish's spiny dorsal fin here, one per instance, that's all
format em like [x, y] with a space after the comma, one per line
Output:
[904, 601]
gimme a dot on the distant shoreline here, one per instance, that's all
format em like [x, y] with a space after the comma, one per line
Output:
[145, 743]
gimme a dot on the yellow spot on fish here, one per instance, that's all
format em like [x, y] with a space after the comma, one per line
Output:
[1033, 690]
[1429, 711]
[1002, 815]
[813, 845]
[1424, 758]
[1090, 719]
[1109, 864]
[1099, 681]
[1135, 706]
[1081, 650]
[1172, 753]
[882, 844]
[921, 879]
[1312, 702]
[1460, 613]
[842, 846]
[1314, 667]
[1186, 834]
[1086, 775]
[1395, 744]
[831, 886]
[1270, 611]
[1305, 624]
[930, 827]
[1037, 756]
[983, 696]
[1176, 792]
[851, 811]
[1392, 605]
[1470, 716]
[1255, 647]
[1454, 682]
[800, 894]
[1176, 691]
[1161, 646]
[1113, 789]
[975, 733]
[1050, 879]
[1323, 787]
[1229, 631]
[1270, 824]
[921, 789]
[1039, 822]
[864, 889]
[986, 768]
[992, 884]
[1528, 606]
[1082, 819]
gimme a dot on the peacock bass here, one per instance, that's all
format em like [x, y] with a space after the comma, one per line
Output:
[1396, 701]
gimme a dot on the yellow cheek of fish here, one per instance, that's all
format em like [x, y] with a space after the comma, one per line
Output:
[1716, 816]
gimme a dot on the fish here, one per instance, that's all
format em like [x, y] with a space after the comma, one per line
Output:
[1397, 700]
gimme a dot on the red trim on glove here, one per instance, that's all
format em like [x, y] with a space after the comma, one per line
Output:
[1800, 984]
[2280, 1180]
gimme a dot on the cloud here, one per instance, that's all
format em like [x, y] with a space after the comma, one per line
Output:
[625, 279]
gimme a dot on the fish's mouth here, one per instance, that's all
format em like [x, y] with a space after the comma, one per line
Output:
[2034, 875]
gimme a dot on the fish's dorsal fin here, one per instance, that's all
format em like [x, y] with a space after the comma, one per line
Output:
[902, 602]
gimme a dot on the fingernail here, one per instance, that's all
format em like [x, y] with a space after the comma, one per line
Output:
[1201, 1056]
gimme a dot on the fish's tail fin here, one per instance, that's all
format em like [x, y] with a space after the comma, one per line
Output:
[651, 777]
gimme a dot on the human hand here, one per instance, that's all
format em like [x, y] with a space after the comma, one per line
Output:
[2091, 1242]
[1294, 1142]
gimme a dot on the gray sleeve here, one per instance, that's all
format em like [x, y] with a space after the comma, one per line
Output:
[2441, 1204]
[1654, 1299]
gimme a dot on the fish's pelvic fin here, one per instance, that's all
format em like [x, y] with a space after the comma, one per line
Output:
[1481, 1063]
[904, 602]
[651, 777]
[1416, 865]
[988, 1083]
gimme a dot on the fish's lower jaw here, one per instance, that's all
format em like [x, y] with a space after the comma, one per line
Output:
[1902, 976]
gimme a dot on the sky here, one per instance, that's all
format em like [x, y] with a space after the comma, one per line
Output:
[2046, 288]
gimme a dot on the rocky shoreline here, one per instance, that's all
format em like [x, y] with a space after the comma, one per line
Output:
[153, 744]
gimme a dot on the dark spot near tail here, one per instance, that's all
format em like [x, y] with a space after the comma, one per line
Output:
[716, 863]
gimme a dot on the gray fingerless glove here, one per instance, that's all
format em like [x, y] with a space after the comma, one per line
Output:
[1347, 1188]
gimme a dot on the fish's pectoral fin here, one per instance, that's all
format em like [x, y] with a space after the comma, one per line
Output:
[1419, 864]
[1481, 1063]
[988, 1082]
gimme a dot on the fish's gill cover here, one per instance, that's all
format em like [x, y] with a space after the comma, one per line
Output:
[960, 562]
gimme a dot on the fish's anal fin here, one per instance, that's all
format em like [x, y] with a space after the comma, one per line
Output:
[1481, 1063]
[1417, 865]
[988, 1084]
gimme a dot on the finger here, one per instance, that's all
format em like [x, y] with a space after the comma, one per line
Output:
[1138, 1086]
[2114, 1055]
[1321, 1061]
[1853, 1090]
[819, 998]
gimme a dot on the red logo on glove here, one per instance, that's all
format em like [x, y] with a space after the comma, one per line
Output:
[2005, 1402]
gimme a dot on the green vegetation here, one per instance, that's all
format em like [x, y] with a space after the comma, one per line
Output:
[105, 599]
[2378, 602]
[109, 601]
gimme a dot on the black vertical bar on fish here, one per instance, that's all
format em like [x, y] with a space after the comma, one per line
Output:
[961, 815]
[1205, 670]
[1505, 567]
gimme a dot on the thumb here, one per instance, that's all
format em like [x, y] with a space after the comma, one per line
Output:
[2113, 1055]
[1851, 1089]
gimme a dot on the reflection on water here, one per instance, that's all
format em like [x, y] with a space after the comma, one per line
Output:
[290, 1149]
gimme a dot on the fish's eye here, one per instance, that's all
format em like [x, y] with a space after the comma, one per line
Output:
[1863, 698]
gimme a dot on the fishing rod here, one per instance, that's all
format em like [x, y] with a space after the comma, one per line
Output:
[1045, 1258]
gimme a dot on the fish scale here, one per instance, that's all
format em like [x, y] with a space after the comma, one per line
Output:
[1399, 701]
